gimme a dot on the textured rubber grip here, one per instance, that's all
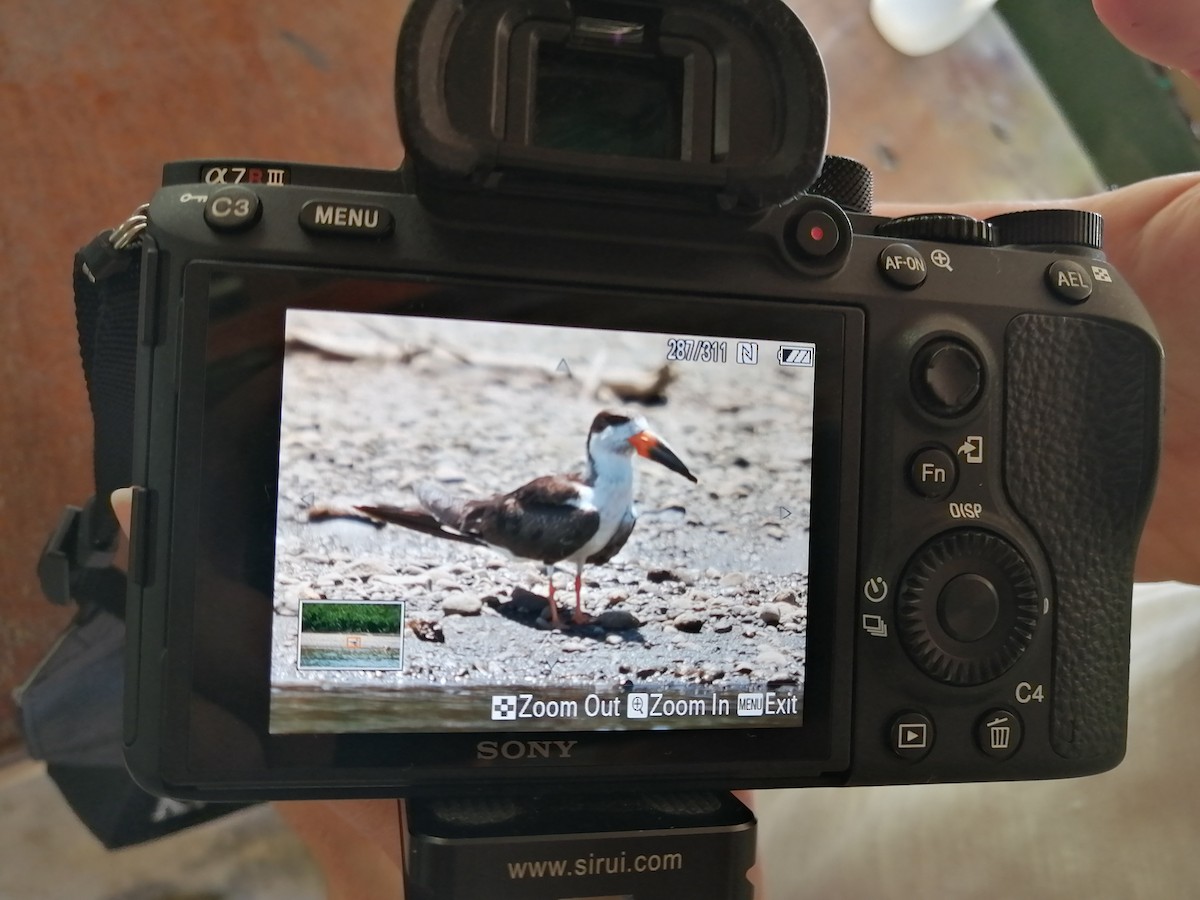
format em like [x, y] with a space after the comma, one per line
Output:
[1082, 436]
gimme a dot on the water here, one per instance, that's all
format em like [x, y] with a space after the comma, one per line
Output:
[344, 658]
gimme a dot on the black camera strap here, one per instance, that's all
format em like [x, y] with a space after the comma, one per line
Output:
[71, 703]
[76, 563]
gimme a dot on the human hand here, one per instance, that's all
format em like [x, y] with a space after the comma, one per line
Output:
[1152, 230]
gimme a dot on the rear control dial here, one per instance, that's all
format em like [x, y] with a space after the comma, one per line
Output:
[967, 607]
[940, 228]
[1049, 228]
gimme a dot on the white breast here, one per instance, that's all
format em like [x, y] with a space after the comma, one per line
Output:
[613, 499]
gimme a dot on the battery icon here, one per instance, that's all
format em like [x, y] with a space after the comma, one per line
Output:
[797, 355]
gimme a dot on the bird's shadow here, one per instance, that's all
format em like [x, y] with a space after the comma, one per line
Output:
[528, 609]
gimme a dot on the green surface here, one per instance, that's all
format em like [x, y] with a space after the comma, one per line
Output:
[1121, 107]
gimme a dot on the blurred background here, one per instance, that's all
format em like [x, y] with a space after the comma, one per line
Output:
[1034, 101]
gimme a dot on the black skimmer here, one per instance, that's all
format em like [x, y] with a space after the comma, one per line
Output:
[576, 518]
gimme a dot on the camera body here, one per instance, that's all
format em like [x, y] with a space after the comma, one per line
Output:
[922, 449]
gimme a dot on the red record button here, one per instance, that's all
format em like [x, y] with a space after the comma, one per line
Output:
[817, 233]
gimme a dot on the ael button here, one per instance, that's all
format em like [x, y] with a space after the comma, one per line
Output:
[1069, 280]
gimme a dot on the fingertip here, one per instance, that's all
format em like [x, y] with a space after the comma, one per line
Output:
[1165, 31]
[121, 501]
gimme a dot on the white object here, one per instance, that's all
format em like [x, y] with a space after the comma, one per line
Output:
[920, 27]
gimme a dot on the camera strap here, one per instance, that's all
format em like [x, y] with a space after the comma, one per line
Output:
[76, 563]
[71, 703]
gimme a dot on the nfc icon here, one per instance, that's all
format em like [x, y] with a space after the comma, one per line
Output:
[747, 353]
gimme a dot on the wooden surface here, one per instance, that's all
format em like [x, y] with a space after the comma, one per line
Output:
[95, 97]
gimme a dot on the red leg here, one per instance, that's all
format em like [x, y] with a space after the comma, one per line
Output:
[580, 616]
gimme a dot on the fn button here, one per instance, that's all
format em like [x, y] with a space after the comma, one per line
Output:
[932, 473]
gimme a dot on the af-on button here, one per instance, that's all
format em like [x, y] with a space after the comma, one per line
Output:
[362, 220]
[903, 265]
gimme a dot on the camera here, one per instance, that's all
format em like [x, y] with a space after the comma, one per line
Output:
[613, 443]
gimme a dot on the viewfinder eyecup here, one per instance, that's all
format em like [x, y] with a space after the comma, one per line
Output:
[726, 102]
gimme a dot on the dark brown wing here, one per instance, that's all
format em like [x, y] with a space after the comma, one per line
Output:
[536, 521]
[417, 520]
[613, 547]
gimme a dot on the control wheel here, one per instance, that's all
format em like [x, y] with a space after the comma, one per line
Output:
[939, 227]
[968, 607]
[1049, 227]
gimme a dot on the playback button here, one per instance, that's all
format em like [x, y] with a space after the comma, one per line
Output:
[912, 736]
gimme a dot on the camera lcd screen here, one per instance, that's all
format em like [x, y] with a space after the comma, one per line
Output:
[341, 618]
[697, 619]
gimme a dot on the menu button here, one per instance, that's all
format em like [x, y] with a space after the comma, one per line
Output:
[346, 219]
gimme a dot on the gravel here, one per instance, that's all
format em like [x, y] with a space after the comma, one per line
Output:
[710, 589]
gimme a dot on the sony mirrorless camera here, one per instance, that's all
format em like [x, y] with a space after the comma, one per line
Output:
[613, 442]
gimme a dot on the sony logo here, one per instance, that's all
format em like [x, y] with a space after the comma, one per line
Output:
[524, 749]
